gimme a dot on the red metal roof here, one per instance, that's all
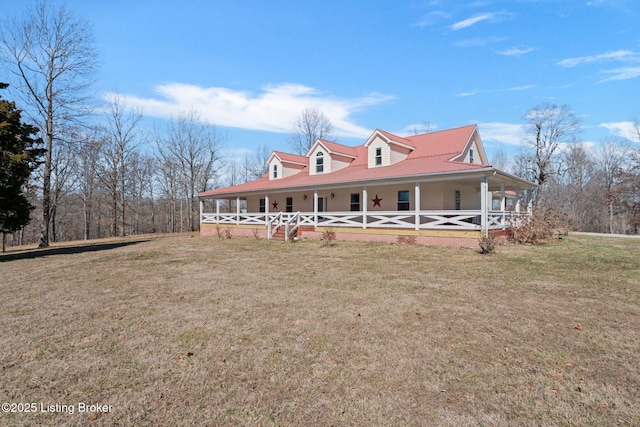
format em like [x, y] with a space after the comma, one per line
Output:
[335, 148]
[431, 155]
[291, 158]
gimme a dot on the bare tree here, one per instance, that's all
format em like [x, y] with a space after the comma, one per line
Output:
[255, 165]
[140, 178]
[611, 161]
[63, 166]
[121, 140]
[168, 183]
[499, 160]
[547, 127]
[310, 126]
[191, 151]
[636, 127]
[577, 166]
[577, 190]
[88, 156]
[52, 56]
[233, 172]
[424, 127]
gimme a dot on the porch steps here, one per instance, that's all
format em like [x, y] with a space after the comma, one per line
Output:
[279, 235]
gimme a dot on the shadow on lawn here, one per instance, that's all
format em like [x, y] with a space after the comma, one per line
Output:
[68, 250]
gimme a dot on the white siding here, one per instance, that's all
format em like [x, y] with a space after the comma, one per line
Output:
[391, 153]
[284, 169]
[398, 154]
[339, 162]
[476, 154]
[289, 169]
[312, 160]
[386, 156]
[275, 161]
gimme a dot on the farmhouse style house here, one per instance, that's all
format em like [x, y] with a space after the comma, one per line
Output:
[435, 188]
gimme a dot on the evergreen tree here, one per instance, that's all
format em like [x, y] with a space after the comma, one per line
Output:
[19, 156]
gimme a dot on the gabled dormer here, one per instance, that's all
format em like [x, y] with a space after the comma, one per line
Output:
[385, 149]
[326, 157]
[282, 164]
[473, 151]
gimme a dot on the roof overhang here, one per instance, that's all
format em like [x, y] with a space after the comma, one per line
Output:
[388, 140]
[284, 160]
[328, 150]
[495, 179]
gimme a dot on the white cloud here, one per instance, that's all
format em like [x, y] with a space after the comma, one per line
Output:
[472, 21]
[624, 129]
[514, 51]
[417, 128]
[623, 73]
[237, 153]
[509, 89]
[431, 18]
[274, 109]
[617, 55]
[470, 93]
[519, 88]
[564, 147]
[505, 133]
[478, 42]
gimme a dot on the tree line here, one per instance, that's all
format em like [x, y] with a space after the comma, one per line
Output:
[99, 172]
[588, 188]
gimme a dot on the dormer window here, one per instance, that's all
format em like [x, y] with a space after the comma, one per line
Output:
[471, 155]
[319, 162]
[275, 171]
[378, 156]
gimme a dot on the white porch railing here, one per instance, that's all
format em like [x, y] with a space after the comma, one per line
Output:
[421, 220]
[273, 223]
[291, 225]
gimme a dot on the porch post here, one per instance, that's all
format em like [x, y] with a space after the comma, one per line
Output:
[518, 196]
[483, 206]
[315, 208]
[201, 209]
[237, 210]
[364, 207]
[266, 216]
[503, 203]
[417, 205]
[217, 211]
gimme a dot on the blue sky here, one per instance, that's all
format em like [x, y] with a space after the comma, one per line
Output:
[251, 67]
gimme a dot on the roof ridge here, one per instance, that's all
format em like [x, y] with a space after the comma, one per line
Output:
[443, 130]
[432, 155]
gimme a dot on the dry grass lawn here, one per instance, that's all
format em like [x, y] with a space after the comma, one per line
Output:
[187, 330]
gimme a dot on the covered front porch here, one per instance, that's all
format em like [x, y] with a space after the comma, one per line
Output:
[467, 207]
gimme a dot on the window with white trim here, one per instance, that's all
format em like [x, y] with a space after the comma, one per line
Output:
[355, 202]
[403, 200]
[471, 155]
[319, 162]
[275, 171]
[378, 156]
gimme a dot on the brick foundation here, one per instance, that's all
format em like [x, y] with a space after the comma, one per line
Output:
[446, 238]
[235, 230]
